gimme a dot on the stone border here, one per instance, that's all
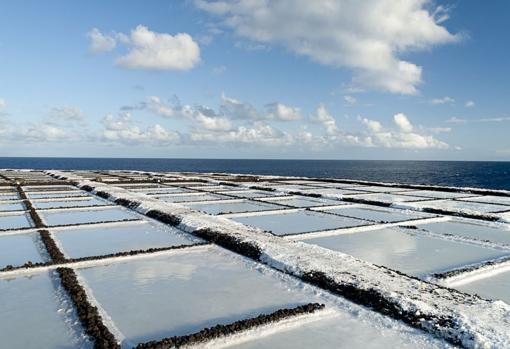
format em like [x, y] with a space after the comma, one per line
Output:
[218, 331]
[87, 313]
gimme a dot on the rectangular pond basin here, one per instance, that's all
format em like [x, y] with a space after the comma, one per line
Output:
[71, 193]
[70, 203]
[378, 214]
[496, 233]
[381, 189]
[299, 222]
[18, 249]
[303, 201]
[190, 198]
[503, 200]
[97, 241]
[35, 188]
[34, 314]
[14, 221]
[14, 206]
[234, 207]
[335, 192]
[186, 291]
[496, 287]
[407, 251]
[163, 191]
[438, 194]
[9, 196]
[251, 194]
[87, 216]
[388, 198]
[340, 331]
[461, 206]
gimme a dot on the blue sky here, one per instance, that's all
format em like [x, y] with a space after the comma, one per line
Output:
[378, 79]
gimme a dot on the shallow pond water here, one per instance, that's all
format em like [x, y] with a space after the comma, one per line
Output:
[19, 249]
[32, 315]
[98, 241]
[407, 251]
[87, 216]
[299, 222]
[185, 292]
[233, 207]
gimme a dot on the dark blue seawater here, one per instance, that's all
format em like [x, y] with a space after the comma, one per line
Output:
[494, 175]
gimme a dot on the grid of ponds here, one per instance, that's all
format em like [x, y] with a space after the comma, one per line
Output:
[151, 281]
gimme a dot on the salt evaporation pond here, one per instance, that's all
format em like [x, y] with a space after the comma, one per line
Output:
[496, 287]
[14, 221]
[297, 201]
[341, 331]
[18, 249]
[34, 315]
[69, 203]
[462, 206]
[299, 222]
[233, 207]
[194, 197]
[97, 241]
[86, 216]
[182, 293]
[407, 251]
[493, 233]
[15, 206]
[377, 214]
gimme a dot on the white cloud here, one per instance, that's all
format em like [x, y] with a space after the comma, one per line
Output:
[100, 42]
[325, 118]
[456, 120]
[365, 36]
[444, 100]
[42, 132]
[120, 129]
[148, 49]
[235, 109]
[259, 134]
[372, 125]
[160, 51]
[282, 112]
[405, 137]
[469, 104]
[3, 104]
[350, 100]
[403, 122]
[66, 113]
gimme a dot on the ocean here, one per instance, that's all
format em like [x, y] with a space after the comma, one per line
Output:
[493, 175]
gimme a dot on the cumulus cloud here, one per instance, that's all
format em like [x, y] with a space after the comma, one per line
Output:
[469, 104]
[326, 119]
[365, 36]
[100, 42]
[43, 132]
[444, 100]
[282, 112]
[350, 100]
[403, 122]
[121, 129]
[406, 136]
[148, 49]
[259, 134]
[235, 109]
[66, 113]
